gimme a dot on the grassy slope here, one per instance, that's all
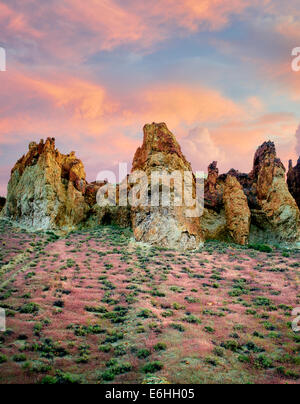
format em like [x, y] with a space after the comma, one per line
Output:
[94, 307]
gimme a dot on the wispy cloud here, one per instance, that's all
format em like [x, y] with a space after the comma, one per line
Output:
[216, 71]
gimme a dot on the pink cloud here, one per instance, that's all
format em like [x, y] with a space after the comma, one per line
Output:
[239, 139]
[186, 104]
[83, 29]
[200, 148]
[15, 22]
[102, 129]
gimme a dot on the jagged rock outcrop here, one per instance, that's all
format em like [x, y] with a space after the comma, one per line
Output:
[46, 189]
[2, 203]
[227, 215]
[212, 189]
[275, 216]
[213, 219]
[214, 225]
[237, 211]
[293, 181]
[165, 226]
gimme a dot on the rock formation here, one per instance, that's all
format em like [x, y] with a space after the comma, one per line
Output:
[237, 211]
[46, 189]
[212, 190]
[293, 180]
[227, 215]
[166, 226]
[275, 216]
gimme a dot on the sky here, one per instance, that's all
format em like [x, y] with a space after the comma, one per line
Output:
[91, 73]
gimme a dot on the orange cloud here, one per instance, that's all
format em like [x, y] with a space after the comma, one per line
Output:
[286, 17]
[201, 149]
[42, 105]
[105, 130]
[180, 104]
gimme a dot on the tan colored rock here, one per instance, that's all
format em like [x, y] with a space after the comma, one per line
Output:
[164, 226]
[213, 191]
[237, 212]
[46, 189]
[275, 214]
[213, 225]
[91, 190]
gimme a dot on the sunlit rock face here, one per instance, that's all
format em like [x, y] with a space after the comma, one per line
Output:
[46, 189]
[164, 226]
[293, 181]
[227, 215]
[260, 209]
[237, 212]
[275, 214]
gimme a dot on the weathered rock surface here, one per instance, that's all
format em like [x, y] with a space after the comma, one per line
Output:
[109, 215]
[214, 225]
[274, 212]
[165, 226]
[227, 215]
[212, 189]
[46, 189]
[293, 181]
[237, 211]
